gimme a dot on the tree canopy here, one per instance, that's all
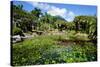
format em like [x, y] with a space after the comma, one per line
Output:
[37, 20]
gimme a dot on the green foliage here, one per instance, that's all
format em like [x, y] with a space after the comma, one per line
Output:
[81, 23]
[93, 29]
[21, 18]
[70, 26]
[45, 50]
[17, 31]
[61, 25]
[88, 25]
[45, 27]
[51, 49]
[36, 12]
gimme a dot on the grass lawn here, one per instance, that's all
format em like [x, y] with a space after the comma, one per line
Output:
[51, 49]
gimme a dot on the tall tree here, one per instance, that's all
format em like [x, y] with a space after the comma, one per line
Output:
[21, 18]
[87, 24]
[36, 13]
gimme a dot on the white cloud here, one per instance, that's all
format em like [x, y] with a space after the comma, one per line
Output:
[70, 16]
[55, 11]
[42, 6]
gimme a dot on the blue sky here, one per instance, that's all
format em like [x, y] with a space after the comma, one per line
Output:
[67, 11]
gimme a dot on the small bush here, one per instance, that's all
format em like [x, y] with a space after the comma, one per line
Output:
[17, 31]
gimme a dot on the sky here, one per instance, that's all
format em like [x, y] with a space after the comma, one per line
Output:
[66, 11]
